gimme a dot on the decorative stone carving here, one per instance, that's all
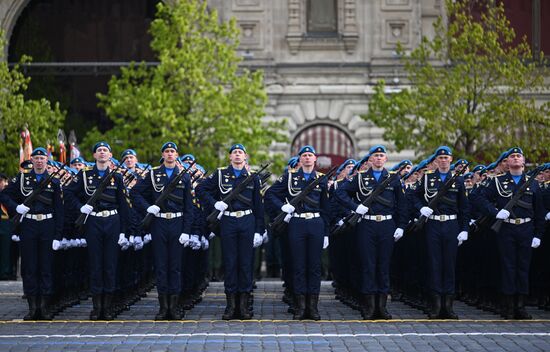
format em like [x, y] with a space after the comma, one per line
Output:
[396, 31]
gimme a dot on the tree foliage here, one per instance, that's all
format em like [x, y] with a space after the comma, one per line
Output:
[16, 112]
[197, 96]
[470, 87]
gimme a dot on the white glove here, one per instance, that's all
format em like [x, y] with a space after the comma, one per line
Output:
[221, 206]
[56, 245]
[398, 234]
[426, 211]
[265, 237]
[83, 242]
[462, 236]
[287, 218]
[153, 209]
[194, 242]
[22, 209]
[131, 240]
[211, 235]
[64, 243]
[340, 222]
[325, 242]
[138, 240]
[122, 241]
[536, 242]
[288, 208]
[472, 221]
[184, 239]
[86, 209]
[78, 242]
[15, 238]
[257, 242]
[72, 243]
[547, 217]
[503, 214]
[204, 243]
[361, 209]
[147, 238]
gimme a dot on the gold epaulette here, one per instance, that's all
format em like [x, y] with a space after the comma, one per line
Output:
[26, 171]
[156, 167]
[88, 168]
[427, 172]
[392, 172]
[502, 174]
[221, 168]
[319, 174]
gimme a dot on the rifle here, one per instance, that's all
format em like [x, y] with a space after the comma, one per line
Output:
[278, 224]
[34, 195]
[216, 215]
[515, 199]
[435, 200]
[146, 222]
[351, 219]
[134, 175]
[81, 220]
[198, 176]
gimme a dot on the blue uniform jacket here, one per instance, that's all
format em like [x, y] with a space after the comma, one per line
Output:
[500, 190]
[337, 211]
[146, 192]
[291, 184]
[220, 183]
[454, 202]
[113, 197]
[390, 202]
[50, 200]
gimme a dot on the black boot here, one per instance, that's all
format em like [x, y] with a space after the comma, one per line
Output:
[449, 312]
[174, 311]
[435, 306]
[96, 312]
[108, 306]
[45, 311]
[381, 310]
[507, 311]
[163, 310]
[520, 312]
[367, 307]
[312, 303]
[229, 312]
[243, 306]
[299, 307]
[33, 308]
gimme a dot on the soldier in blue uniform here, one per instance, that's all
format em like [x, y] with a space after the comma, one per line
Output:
[446, 227]
[521, 230]
[105, 227]
[241, 226]
[41, 230]
[381, 225]
[307, 230]
[172, 224]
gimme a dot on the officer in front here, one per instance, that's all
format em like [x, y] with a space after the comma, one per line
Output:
[445, 229]
[41, 230]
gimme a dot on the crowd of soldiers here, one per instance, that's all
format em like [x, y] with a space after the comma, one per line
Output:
[425, 234]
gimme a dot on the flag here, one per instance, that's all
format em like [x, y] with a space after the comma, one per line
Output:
[62, 150]
[51, 149]
[75, 152]
[25, 146]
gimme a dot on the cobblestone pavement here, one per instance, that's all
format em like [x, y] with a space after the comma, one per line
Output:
[272, 330]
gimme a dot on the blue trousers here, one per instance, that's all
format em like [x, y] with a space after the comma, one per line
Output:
[441, 244]
[102, 238]
[237, 235]
[167, 254]
[37, 256]
[514, 245]
[305, 238]
[375, 245]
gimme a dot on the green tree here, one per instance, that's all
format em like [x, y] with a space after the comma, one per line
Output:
[197, 96]
[16, 112]
[471, 88]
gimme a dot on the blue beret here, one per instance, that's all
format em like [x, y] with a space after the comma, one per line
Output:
[546, 166]
[501, 157]
[128, 152]
[443, 150]
[401, 163]
[101, 144]
[377, 149]
[307, 149]
[422, 165]
[292, 162]
[237, 146]
[200, 168]
[491, 166]
[52, 163]
[430, 159]
[468, 175]
[78, 159]
[344, 164]
[514, 150]
[187, 157]
[169, 145]
[114, 161]
[459, 162]
[478, 168]
[39, 151]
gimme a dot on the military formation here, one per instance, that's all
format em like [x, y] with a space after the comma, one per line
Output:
[424, 234]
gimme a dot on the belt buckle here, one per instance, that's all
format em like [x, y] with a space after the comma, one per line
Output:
[517, 221]
[309, 215]
[105, 213]
[39, 217]
[169, 216]
[239, 214]
[378, 218]
[442, 218]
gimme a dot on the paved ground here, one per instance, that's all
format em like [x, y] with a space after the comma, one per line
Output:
[273, 329]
